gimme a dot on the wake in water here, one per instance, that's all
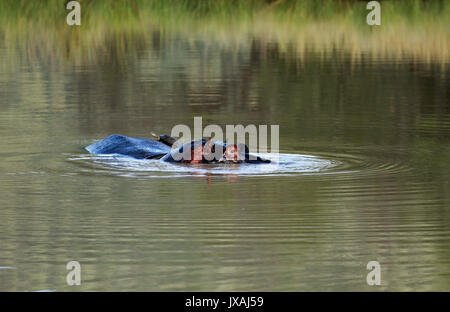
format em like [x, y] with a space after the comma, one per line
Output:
[133, 156]
[281, 164]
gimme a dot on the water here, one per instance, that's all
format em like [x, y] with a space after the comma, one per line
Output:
[365, 175]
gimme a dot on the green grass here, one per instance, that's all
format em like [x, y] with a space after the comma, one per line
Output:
[415, 28]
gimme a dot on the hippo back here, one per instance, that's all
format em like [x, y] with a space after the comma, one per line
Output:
[139, 148]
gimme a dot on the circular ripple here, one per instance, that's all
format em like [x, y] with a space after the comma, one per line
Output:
[281, 164]
[346, 166]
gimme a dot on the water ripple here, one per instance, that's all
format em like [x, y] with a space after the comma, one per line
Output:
[344, 165]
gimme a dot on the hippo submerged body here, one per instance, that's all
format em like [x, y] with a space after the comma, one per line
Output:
[193, 152]
[138, 148]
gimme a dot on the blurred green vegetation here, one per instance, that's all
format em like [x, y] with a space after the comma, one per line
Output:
[296, 12]
[414, 28]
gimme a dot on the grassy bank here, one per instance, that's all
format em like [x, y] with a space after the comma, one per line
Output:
[414, 29]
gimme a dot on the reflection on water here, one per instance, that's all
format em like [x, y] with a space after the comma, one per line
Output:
[373, 136]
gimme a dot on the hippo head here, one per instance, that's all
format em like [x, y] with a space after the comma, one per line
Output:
[234, 153]
[208, 151]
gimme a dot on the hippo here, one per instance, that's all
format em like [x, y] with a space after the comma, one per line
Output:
[196, 151]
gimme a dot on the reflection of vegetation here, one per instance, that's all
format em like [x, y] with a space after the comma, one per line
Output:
[411, 28]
